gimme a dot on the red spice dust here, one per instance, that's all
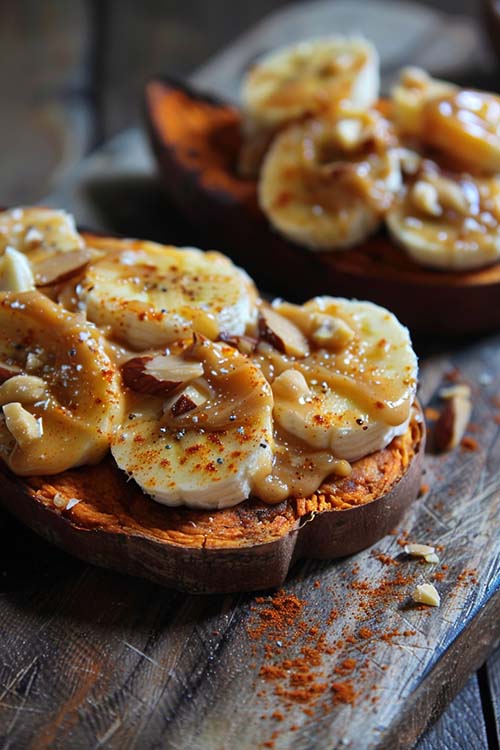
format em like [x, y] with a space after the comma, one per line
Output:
[343, 692]
[469, 443]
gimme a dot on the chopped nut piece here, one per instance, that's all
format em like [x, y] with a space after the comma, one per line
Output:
[425, 198]
[422, 550]
[461, 389]
[450, 194]
[418, 550]
[431, 558]
[21, 424]
[291, 384]
[426, 593]
[244, 344]
[15, 272]
[349, 132]
[452, 422]
[59, 500]
[159, 375]
[330, 332]
[58, 267]
[23, 388]
[188, 400]
[72, 502]
[282, 333]
[33, 362]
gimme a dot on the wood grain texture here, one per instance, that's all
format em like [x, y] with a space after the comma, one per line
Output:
[462, 726]
[45, 126]
[492, 686]
[95, 659]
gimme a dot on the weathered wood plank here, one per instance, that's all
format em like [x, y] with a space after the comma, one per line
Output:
[492, 669]
[461, 726]
[89, 658]
[45, 126]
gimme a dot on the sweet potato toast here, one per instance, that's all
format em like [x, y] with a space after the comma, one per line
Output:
[196, 140]
[248, 547]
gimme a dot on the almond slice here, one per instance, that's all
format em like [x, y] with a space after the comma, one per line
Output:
[159, 375]
[422, 550]
[59, 267]
[282, 333]
[452, 423]
[21, 424]
[244, 344]
[189, 399]
[426, 593]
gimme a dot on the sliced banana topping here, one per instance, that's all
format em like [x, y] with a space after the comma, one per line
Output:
[28, 229]
[209, 443]
[152, 295]
[352, 395]
[327, 183]
[448, 220]
[413, 91]
[285, 397]
[40, 246]
[308, 78]
[71, 399]
[465, 125]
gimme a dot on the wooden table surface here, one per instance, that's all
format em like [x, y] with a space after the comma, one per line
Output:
[63, 74]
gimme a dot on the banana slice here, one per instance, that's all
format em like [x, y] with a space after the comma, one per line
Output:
[208, 443]
[414, 89]
[465, 125]
[151, 295]
[353, 393]
[448, 221]
[48, 239]
[61, 394]
[308, 78]
[28, 229]
[327, 183]
[462, 124]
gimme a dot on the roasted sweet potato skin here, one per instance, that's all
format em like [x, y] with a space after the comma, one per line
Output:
[196, 140]
[249, 547]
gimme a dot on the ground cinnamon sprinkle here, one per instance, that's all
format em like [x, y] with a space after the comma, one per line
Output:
[295, 640]
[365, 632]
[469, 443]
[343, 692]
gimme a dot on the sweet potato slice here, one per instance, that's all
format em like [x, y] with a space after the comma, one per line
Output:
[248, 547]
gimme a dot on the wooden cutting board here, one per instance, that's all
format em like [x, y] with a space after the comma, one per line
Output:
[93, 659]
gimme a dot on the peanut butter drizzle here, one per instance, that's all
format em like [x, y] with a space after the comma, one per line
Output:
[232, 396]
[298, 470]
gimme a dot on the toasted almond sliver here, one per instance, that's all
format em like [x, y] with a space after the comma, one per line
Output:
[159, 375]
[431, 558]
[426, 593]
[461, 389]
[452, 423]
[419, 550]
[60, 266]
[281, 333]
